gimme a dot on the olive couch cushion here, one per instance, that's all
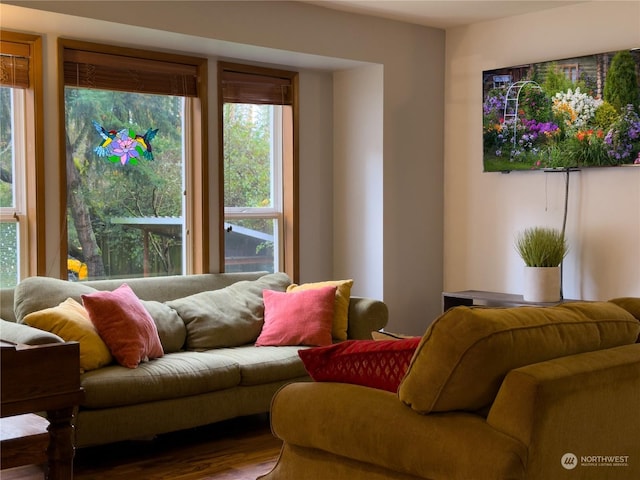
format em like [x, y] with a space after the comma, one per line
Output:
[23, 333]
[37, 293]
[261, 365]
[34, 294]
[174, 375]
[171, 329]
[465, 354]
[227, 317]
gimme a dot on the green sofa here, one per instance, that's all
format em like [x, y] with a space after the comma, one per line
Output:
[187, 387]
[534, 393]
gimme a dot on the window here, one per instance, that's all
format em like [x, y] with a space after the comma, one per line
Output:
[258, 121]
[133, 149]
[571, 71]
[20, 157]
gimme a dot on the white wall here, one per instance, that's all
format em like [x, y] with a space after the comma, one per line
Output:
[484, 211]
[401, 260]
[358, 178]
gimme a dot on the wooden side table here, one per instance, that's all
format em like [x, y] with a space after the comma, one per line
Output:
[492, 299]
[41, 378]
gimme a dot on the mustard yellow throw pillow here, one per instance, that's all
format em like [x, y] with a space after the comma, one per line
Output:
[341, 306]
[70, 321]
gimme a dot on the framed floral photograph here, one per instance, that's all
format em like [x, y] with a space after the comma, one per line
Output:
[577, 112]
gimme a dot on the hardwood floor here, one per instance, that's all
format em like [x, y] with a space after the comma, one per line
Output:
[239, 449]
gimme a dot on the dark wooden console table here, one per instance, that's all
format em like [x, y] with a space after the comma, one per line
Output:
[491, 299]
[40, 378]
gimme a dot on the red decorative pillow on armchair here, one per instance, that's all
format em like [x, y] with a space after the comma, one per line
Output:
[372, 363]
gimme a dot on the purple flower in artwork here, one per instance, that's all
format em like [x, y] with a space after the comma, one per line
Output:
[493, 104]
[623, 136]
[125, 147]
[540, 127]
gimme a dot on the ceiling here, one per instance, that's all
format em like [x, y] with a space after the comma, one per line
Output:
[442, 13]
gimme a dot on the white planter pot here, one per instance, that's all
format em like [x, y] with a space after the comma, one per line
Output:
[541, 284]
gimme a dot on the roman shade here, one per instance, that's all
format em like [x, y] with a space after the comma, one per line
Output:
[14, 64]
[124, 72]
[248, 87]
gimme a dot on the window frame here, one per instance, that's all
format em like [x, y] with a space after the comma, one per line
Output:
[29, 209]
[196, 151]
[287, 216]
[571, 71]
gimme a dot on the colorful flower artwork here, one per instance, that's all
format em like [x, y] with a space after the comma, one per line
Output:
[124, 146]
[571, 113]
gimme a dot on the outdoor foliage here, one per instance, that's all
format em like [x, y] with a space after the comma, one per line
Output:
[6, 181]
[8, 231]
[247, 176]
[99, 190]
[557, 82]
[561, 124]
[247, 146]
[621, 87]
[135, 183]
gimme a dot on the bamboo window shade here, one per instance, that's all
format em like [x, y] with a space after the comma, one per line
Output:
[124, 73]
[241, 87]
[14, 64]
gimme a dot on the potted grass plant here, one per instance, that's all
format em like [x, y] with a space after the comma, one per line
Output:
[542, 250]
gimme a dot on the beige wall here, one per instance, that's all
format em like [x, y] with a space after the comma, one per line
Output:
[483, 211]
[358, 176]
[401, 256]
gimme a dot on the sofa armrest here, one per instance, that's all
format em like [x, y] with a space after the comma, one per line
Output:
[585, 405]
[373, 427]
[365, 316]
[6, 304]
[24, 334]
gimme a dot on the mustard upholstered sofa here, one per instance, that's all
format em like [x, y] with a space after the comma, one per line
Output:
[536, 393]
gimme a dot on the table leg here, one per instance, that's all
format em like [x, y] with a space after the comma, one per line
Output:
[61, 444]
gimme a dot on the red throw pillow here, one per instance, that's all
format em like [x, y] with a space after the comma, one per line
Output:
[372, 363]
[124, 325]
[298, 318]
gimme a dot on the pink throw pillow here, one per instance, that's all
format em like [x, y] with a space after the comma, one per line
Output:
[124, 325]
[298, 318]
[371, 363]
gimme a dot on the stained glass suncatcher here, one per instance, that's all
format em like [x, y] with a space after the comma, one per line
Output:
[125, 145]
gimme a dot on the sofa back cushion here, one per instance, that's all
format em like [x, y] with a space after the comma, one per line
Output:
[465, 354]
[171, 329]
[227, 317]
[631, 305]
[37, 294]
